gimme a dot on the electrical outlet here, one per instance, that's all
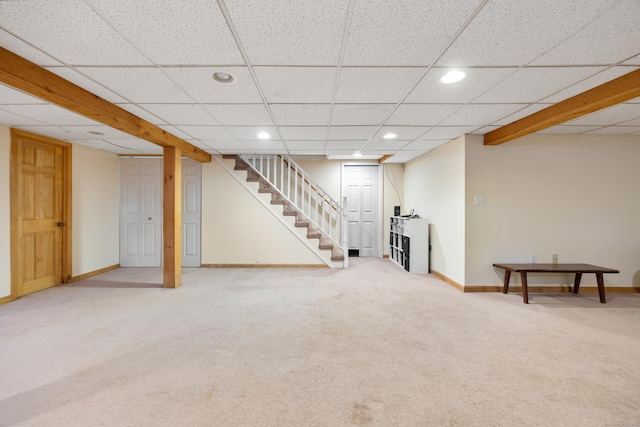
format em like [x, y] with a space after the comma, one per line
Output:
[555, 258]
[532, 258]
[479, 200]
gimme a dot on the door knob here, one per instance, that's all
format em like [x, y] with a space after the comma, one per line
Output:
[59, 224]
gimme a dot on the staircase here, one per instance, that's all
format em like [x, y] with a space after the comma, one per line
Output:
[316, 216]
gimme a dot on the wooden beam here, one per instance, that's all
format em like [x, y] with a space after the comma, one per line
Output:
[385, 158]
[611, 93]
[172, 217]
[28, 77]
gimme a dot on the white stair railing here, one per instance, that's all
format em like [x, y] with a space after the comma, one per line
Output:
[303, 193]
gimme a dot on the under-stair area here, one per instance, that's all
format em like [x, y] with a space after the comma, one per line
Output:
[288, 176]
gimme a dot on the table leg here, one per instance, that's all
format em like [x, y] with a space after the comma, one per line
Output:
[601, 287]
[525, 290]
[507, 277]
[576, 283]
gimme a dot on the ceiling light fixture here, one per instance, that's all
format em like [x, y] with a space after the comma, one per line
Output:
[358, 154]
[390, 136]
[264, 135]
[222, 77]
[453, 76]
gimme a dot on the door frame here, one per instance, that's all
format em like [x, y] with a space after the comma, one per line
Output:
[15, 184]
[380, 215]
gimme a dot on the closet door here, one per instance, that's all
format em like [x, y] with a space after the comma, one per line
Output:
[141, 213]
[191, 203]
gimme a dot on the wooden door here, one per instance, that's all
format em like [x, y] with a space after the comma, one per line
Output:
[40, 213]
[361, 188]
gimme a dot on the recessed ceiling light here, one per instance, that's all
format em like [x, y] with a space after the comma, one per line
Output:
[264, 135]
[358, 154]
[453, 76]
[389, 136]
[222, 77]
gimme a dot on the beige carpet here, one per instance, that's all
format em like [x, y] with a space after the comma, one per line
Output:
[368, 346]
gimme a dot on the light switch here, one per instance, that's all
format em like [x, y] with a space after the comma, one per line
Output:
[479, 200]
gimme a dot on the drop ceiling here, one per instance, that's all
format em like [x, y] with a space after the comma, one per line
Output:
[322, 77]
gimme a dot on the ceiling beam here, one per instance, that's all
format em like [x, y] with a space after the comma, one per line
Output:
[28, 77]
[611, 93]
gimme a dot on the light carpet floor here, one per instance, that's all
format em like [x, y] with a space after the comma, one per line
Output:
[368, 346]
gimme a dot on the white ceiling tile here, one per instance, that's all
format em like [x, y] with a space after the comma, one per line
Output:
[261, 146]
[86, 83]
[524, 112]
[214, 133]
[634, 122]
[447, 132]
[105, 146]
[362, 133]
[298, 85]
[232, 146]
[615, 130]
[422, 114]
[138, 85]
[250, 133]
[405, 156]
[138, 111]
[568, 130]
[431, 90]
[50, 114]
[360, 114]
[589, 83]
[344, 145]
[303, 133]
[89, 41]
[198, 82]
[11, 119]
[301, 114]
[204, 40]
[485, 129]
[406, 133]
[507, 32]
[9, 95]
[609, 116]
[403, 33]
[51, 132]
[480, 114]
[426, 145]
[534, 84]
[297, 146]
[311, 30]
[25, 50]
[96, 131]
[132, 144]
[376, 85]
[382, 144]
[181, 114]
[633, 61]
[617, 32]
[239, 114]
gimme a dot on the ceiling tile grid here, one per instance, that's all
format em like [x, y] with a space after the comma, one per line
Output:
[328, 77]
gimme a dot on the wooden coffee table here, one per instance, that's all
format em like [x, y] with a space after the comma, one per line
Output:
[578, 269]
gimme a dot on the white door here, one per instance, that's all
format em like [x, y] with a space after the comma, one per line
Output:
[191, 203]
[141, 212]
[360, 185]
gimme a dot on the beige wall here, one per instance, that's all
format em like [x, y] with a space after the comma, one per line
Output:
[434, 185]
[576, 196]
[237, 229]
[5, 215]
[96, 204]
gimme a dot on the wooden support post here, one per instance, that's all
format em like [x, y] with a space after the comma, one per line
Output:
[172, 217]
